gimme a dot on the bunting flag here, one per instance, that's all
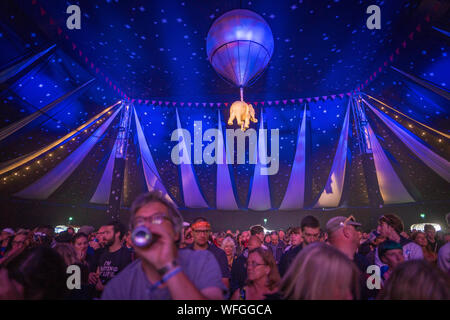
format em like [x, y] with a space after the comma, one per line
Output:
[255, 103]
[397, 50]
[332, 192]
[15, 69]
[45, 186]
[9, 130]
[14, 163]
[438, 164]
[260, 192]
[152, 178]
[192, 195]
[391, 188]
[295, 192]
[225, 198]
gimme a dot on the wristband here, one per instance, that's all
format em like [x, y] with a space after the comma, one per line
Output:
[167, 268]
[171, 274]
[166, 278]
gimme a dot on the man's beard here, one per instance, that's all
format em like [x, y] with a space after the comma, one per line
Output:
[109, 243]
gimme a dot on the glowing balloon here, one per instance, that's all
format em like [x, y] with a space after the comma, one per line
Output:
[239, 46]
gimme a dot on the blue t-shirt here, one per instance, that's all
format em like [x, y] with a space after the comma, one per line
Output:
[199, 266]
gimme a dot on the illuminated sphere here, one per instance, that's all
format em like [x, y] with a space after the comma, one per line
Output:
[239, 46]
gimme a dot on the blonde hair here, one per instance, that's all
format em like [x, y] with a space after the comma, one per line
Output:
[317, 272]
[67, 252]
[227, 241]
[416, 280]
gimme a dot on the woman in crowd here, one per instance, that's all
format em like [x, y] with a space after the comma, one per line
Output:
[229, 247]
[416, 280]
[267, 240]
[75, 254]
[219, 239]
[338, 278]
[81, 245]
[262, 276]
[420, 238]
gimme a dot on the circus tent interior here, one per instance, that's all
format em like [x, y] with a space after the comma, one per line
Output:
[88, 115]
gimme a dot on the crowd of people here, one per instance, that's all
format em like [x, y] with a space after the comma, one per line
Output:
[188, 261]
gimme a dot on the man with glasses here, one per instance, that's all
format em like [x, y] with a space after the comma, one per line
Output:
[310, 230]
[201, 231]
[162, 271]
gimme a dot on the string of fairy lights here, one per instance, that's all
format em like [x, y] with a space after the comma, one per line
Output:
[414, 126]
[45, 161]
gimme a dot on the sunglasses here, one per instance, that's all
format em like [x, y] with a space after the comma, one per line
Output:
[346, 221]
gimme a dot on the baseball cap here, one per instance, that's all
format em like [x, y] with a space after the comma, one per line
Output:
[388, 245]
[338, 222]
[9, 230]
[87, 230]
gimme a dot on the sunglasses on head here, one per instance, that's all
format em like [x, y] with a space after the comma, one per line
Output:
[346, 221]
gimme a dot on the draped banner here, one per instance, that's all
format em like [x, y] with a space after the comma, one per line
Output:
[4, 133]
[225, 199]
[391, 188]
[12, 71]
[295, 192]
[438, 164]
[45, 186]
[332, 193]
[14, 163]
[192, 195]
[152, 178]
[101, 195]
[260, 194]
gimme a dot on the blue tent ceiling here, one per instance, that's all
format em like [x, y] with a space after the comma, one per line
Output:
[156, 50]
